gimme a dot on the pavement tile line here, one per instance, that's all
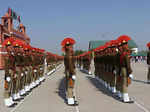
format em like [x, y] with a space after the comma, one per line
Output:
[21, 102]
[140, 105]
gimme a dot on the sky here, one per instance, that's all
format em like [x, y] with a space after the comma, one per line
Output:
[48, 22]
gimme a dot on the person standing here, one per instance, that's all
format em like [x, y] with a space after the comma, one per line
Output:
[148, 63]
[70, 75]
[9, 71]
[125, 67]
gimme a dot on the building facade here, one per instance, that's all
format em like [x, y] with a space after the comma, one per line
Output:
[94, 44]
[7, 30]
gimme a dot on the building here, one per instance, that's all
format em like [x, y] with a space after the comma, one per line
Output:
[7, 30]
[94, 44]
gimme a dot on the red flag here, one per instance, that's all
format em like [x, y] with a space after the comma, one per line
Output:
[19, 20]
[9, 11]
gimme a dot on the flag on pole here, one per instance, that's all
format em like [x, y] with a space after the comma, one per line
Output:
[19, 20]
[13, 14]
[9, 11]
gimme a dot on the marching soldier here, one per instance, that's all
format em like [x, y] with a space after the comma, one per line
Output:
[69, 63]
[148, 63]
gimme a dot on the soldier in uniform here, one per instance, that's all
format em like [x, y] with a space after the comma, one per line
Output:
[87, 62]
[69, 63]
[18, 75]
[125, 70]
[148, 63]
[9, 71]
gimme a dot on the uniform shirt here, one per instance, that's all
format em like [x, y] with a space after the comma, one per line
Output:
[148, 58]
[69, 63]
[125, 62]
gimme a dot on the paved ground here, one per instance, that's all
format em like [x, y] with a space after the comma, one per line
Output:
[92, 96]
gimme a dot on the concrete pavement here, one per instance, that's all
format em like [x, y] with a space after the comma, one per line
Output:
[92, 96]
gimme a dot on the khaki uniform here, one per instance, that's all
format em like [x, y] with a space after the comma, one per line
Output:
[18, 75]
[69, 71]
[9, 72]
[148, 62]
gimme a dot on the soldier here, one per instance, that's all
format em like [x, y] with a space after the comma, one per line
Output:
[69, 63]
[22, 80]
[26, 68]
[87, 62]
[9, 71]
[18, 75]
[125, 70]
[148, 63]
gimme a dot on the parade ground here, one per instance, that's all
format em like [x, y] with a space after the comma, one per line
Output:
[92, 96]
[74, 56]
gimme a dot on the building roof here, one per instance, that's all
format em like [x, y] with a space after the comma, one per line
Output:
[139, 54]
[97, 43]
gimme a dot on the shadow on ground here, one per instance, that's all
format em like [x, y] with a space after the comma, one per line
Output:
[140, 81]
[61, 89]
[101, 88]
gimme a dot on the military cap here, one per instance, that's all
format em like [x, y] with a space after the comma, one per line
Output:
[68, 41]
[8, 41]
[148, 44]
[123, 39]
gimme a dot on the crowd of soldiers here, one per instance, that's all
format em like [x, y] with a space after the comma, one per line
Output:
[83, 62]
[112, 66]
[52, 62]
[24, 69]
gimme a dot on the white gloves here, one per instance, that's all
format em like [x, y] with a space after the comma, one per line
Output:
[73, 77]
[131, 76]
[8, 79]
[35, 70]
[22, 74]
[114, 72]
[117, 49]
[26, 72]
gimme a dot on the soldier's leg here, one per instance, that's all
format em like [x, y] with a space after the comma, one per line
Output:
[15, 86]
[66, 81]
[89, 69]
[43, 72]
[70, 92]
[33, 75]
[31, 83]
[8, 89]
[23, 77]
[36, 74]
[18, 84]
[124, 88]
[114, 80]
[41, 75]
[27, 73]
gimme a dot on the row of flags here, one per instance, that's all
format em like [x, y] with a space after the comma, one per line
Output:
[14, 15]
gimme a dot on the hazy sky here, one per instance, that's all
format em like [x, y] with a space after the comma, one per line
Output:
[49, 21]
